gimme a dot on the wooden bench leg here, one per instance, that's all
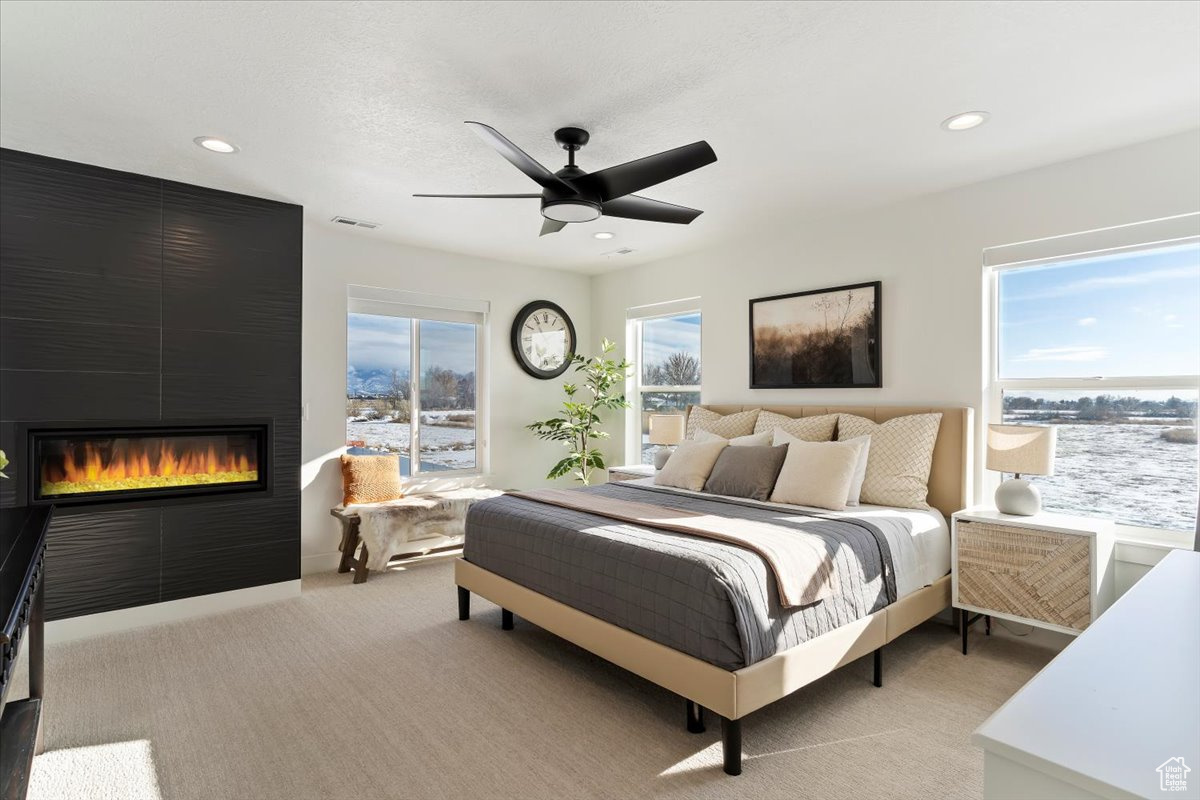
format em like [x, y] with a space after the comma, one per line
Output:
[349, 544]
[360, 566]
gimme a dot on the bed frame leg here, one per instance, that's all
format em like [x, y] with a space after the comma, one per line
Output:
[731, 745]
[464, 603]
[695, 717]
[506, 619]
[879, 667]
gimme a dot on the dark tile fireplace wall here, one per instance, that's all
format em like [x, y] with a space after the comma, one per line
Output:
[129, 298]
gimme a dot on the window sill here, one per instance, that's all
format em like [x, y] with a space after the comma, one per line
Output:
[1147, 546]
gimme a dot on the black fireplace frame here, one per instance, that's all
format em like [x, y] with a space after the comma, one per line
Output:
[32, 434]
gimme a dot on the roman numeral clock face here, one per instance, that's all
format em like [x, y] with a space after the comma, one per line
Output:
[543, 339]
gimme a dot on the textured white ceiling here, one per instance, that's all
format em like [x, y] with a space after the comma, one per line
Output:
[348, 108]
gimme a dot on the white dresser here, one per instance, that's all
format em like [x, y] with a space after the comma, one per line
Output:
[1117, 713]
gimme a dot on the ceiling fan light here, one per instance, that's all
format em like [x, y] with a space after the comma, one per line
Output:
[571, 210]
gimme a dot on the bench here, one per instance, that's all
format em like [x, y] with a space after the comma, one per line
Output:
[399, 529]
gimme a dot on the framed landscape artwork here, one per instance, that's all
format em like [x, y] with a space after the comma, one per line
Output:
[823, 339]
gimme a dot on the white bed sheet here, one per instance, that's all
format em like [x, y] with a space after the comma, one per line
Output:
[916, 567]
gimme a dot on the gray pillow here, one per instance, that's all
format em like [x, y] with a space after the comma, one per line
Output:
[746, 471]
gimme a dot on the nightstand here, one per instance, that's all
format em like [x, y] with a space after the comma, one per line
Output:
[1052, 571]
[630, 472]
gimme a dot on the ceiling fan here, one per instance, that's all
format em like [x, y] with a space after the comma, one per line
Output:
[572, 195]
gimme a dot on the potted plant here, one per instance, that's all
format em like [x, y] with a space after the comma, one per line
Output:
[578, 427]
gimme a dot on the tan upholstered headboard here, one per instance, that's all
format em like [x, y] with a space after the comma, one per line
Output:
[950, 475]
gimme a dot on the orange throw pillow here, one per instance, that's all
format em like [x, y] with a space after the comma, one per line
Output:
[370, 479]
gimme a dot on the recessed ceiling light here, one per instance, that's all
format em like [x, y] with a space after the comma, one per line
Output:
[603, 235]
[966, 121]
[214, 144]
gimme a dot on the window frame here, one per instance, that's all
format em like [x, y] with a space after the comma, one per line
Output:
[417, 308]
[634, 388]
[996, 386]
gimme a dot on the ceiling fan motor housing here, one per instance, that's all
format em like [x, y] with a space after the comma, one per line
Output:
[563, 206]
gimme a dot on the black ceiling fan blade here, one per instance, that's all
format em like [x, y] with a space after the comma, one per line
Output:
[633, 206]
[634, 176]
[484, 196]
[520, 159]
[551, 226]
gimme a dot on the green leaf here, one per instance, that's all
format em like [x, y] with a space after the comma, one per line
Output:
[561, 468]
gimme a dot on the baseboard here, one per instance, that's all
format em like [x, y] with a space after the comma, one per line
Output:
[321, 562]
[69, 630]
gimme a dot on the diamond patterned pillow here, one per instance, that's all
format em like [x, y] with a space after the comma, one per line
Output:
[806, 429]
[899, 460]
[728, 426]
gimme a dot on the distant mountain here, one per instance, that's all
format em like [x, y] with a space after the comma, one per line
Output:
[370, 382]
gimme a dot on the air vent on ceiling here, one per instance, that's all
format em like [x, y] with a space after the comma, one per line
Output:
[620, 251]
[358, 223]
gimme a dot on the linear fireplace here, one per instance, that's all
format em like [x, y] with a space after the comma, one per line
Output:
[75, 465]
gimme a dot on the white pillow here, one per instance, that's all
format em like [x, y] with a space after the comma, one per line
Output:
[900, 460]
[817, 474]
[740, 423]
[690, 464]
[753, 440]
[860, 468]
[807, 429]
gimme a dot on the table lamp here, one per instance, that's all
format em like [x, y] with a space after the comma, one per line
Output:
[666, 431]
[1021, 450]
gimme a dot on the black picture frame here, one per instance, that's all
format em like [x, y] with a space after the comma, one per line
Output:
[515, 339]
[832, 364]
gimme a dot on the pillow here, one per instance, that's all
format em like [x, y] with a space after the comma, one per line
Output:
[689, 466]
[806, 429]
[816, 474]
[370, 479]
[729, 426]
[753, 440]
[746, 471]
[860, 467]
[900, 458]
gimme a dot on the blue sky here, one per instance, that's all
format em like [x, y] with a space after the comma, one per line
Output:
[380, 342]
[1128, 315]
[662, 337]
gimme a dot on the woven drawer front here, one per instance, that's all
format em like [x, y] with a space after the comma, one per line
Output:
[1030, 573]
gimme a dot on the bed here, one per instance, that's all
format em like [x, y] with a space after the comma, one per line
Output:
[703, 618]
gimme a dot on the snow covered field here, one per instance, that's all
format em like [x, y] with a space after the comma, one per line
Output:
[441, 446]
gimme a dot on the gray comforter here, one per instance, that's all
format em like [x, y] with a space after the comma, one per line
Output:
[712, 600]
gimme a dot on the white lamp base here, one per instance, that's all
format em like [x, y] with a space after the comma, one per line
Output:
[1018, 497]
[661, 455]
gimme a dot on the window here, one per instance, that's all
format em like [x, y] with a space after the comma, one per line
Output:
[1107, 348]
[389, 411]
[666, 359]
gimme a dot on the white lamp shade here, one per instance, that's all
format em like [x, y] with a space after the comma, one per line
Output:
[1021, 449]
[666, 428]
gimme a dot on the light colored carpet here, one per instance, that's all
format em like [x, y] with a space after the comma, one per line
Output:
[378, 691]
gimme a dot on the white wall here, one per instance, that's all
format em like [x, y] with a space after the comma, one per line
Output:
[333, 260]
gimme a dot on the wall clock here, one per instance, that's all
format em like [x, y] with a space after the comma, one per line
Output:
[543, 339]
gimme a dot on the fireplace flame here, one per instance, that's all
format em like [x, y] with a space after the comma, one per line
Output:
[89, 467]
